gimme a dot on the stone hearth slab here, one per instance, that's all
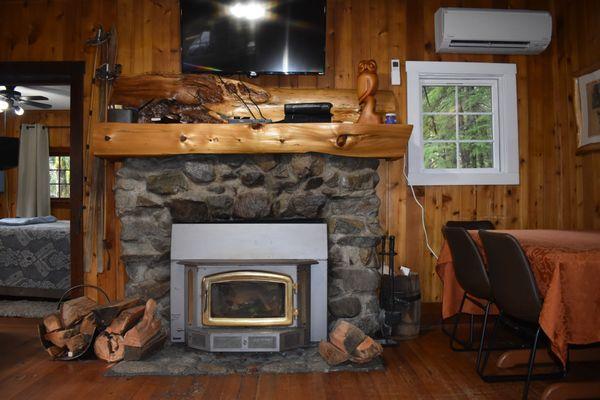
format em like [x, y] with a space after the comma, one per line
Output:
[179, 360]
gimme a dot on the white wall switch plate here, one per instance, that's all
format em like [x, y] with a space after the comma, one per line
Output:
[395, 72]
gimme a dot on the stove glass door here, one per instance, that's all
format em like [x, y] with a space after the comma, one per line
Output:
[247, 298]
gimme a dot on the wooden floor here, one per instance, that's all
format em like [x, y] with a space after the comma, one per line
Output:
[424, 368]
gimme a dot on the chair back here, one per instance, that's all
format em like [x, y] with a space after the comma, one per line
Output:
[468, 264]
[471, 225]
[513, 284]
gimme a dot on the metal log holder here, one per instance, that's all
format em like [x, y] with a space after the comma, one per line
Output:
[88, 351]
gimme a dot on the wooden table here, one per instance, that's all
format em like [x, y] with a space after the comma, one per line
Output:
[566, 266]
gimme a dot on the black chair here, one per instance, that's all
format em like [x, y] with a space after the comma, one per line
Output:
[472, 276]
[517, 297]
[465, 345]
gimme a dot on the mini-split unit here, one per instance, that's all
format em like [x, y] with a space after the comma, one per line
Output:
[492, 31]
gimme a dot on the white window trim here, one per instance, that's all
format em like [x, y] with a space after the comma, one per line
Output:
[506, 169]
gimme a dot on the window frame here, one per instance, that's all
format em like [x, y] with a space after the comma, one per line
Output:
[504, 121]
[60, 152]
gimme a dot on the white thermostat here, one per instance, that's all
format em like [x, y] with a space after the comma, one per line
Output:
[395, 73]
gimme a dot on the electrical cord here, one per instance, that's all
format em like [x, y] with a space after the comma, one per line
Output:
[252, 100]
[237, 95]
[433, 253]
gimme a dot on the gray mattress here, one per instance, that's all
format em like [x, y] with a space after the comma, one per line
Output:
[35, 256]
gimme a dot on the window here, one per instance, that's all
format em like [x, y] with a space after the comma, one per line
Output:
[464, 118]
[60, 176]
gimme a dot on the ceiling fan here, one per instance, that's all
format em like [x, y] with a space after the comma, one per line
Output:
[12, 99]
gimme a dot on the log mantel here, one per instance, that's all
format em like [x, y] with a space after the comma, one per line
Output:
[118, 140]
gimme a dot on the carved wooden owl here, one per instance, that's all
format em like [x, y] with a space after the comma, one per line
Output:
[367, 80]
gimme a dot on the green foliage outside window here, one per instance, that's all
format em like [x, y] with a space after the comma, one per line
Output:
[457, 126]
[60, 177]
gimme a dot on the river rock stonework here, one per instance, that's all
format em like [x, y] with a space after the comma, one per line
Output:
[153, 193]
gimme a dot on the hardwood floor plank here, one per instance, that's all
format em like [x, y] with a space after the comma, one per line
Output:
[424, 368]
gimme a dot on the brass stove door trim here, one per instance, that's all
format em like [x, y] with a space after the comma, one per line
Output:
[248, 276]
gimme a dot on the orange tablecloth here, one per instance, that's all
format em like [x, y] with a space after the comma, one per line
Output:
[566, 266]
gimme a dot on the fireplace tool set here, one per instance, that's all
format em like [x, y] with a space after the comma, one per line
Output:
[399, 297]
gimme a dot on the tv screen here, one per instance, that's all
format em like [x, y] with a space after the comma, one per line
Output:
[253, 37]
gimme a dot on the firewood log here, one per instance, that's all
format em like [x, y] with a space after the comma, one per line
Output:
[55, 351]
[126, 320]
[74, 310]
[59, 338]
[52, 322]
[366, 351]
[331, 354]
[109, 347]
[137, 353]
[146, 329]
[107, 312]
[346, 336]
[88, 324]
[76, 344]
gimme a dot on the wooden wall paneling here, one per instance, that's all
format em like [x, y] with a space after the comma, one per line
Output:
[343, 44]
[327, 79]
[557, 188]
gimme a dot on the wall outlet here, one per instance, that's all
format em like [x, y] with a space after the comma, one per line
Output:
[395, 72]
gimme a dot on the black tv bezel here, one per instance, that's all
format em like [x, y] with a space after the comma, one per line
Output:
[254, 74]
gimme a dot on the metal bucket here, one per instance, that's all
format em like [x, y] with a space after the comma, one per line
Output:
[405, 304]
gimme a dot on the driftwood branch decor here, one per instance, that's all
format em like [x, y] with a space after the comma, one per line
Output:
[204, 98]
[189, 98]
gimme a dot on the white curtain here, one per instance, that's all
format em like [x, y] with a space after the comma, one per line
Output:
[33, 192]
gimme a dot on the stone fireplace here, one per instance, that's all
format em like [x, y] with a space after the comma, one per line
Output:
[154, 193]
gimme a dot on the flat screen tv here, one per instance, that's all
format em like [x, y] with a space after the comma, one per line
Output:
[253, 37]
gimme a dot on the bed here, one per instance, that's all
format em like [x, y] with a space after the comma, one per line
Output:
[35, 259]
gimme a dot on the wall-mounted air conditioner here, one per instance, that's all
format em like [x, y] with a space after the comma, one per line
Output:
[492, 31]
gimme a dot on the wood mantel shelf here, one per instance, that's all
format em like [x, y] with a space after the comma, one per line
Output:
[117, 140]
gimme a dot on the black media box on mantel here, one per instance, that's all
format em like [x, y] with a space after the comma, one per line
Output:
[307, 112]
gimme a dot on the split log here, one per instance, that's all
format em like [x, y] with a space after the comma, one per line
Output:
[126, 320]
[74, 310]
[59, 338]
[331, 354]
[105, 314]
[52, 322]
[109, 347]
[76, 344]
[346, 336]
[137, 353]
[367, 350]
[88, 324]
[146, 329]
[348, 342]
[55, 351]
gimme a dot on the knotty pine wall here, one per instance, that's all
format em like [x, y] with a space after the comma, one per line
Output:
[558, 188]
